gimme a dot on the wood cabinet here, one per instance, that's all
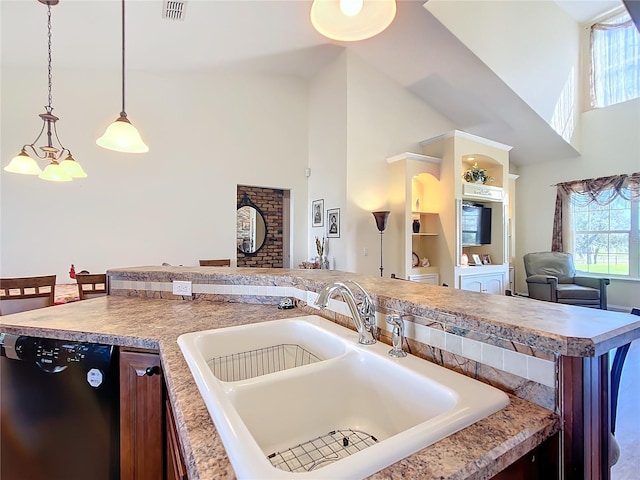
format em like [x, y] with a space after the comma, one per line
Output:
[141, 416]
[149, 443]
[175, 467]
[541, 462]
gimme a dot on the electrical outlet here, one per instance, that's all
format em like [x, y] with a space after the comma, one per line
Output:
[181, 287]
[366, 252]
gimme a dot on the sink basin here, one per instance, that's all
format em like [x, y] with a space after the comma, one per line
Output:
[332, 408]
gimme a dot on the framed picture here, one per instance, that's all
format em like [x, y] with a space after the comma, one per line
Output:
[476, 259]
[317, 213]
[486, 259]
[333, 223]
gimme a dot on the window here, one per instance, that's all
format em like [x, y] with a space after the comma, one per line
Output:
[605, 234]
[615, 61]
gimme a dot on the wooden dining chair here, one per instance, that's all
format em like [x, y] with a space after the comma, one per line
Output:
[26, 293]
[215, 263]
[91, 285]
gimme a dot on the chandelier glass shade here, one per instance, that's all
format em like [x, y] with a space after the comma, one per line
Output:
[23, 163]
[352, 20]
[121, 135]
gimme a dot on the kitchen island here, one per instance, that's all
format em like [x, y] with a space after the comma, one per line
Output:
[142, 312]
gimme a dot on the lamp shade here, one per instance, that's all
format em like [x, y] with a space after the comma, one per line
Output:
[341, 20]
[54, 173]
[381, 220]
[122, 136]
[24, 164]
[72, 168]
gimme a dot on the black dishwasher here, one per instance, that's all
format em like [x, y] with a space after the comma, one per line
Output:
[59, 409]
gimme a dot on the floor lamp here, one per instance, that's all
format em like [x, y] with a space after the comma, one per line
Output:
[381, 223]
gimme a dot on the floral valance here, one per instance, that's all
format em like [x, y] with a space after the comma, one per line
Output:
[591, 190]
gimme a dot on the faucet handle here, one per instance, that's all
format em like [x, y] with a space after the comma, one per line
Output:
[397, 335]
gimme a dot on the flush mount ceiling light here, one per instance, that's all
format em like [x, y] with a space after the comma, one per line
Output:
[121, 135]
[56, 171]
[351, 20]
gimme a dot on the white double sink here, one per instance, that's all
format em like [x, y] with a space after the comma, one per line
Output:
[300, 398]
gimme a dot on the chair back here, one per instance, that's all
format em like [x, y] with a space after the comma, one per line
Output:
[91, 285]
[216, 263]
[26, 293]
[557, 264]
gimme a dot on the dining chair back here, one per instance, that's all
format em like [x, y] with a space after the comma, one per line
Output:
[26, 293]
[216, 263]
[91, 285]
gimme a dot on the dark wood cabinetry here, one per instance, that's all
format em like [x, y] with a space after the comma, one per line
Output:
[141, 416]
[149, 444]
[541, 462]
[175, 467]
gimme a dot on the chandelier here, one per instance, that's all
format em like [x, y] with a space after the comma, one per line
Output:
[55, 171]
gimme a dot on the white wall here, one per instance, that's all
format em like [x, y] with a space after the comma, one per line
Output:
[611, 147]
[328, 154]
[358, 118]
[206, 133]
[532, 45]
[384, 119]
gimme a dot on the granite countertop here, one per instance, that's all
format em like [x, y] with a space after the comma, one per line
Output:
[556, 328]
[478, 451]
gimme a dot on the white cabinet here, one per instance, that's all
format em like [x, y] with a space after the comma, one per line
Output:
[430, 278]
[484, 282]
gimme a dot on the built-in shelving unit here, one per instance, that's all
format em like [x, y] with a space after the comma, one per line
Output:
[415, 195]
[459, 151]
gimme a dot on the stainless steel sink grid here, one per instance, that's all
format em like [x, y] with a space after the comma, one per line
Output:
[322, 450]
[254, 363]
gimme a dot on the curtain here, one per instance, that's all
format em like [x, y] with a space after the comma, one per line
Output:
[584, 192]
[615, 64]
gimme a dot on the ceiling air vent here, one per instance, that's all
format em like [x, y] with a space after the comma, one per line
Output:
[174, 9]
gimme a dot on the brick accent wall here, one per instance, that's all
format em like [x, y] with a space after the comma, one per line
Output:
[270, 201]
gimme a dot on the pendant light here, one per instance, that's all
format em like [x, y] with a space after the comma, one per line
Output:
[351, 20]
[121, 135]
[23, 163]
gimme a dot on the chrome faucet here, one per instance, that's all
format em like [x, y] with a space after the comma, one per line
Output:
[364, 317]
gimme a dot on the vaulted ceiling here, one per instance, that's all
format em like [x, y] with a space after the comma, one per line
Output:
[276, 36]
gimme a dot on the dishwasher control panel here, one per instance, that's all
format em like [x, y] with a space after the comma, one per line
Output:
[53, 354]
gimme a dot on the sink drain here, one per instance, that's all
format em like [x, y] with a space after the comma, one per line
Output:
[322, 450]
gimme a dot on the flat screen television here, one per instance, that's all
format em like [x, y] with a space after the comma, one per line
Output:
[476, 225]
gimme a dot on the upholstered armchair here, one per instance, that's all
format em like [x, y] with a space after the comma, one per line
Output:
[551, 276]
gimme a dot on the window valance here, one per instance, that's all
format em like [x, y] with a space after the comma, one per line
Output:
[591, 190]
[602, 190]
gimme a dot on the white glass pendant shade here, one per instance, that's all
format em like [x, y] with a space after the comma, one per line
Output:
[335, 19]
[72, 168]
[24, 164]
[121, 136]
[54, 173]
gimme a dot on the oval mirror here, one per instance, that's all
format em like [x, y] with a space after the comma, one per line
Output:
[251, 228]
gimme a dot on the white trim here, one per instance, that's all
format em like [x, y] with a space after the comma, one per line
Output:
[414, 156]
[467, 136]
